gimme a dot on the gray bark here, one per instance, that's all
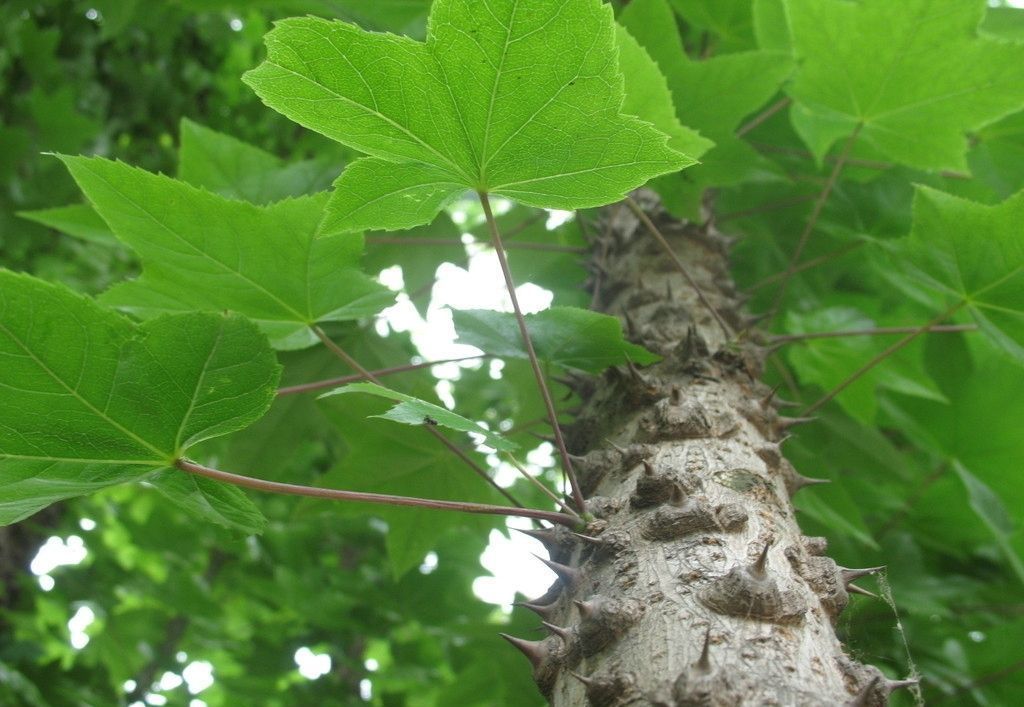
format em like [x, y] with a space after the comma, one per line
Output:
[698, 587]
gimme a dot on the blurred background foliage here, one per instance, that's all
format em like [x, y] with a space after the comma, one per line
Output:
[158, 600]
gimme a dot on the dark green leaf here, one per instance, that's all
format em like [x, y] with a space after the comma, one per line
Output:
[91, 400]
[202, 251]
[566, 336]
[413, 411]
[528, 109]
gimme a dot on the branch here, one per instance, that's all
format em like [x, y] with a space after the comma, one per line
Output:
[523, 245]
[765, 208]
[451, 446]
[542, 385]
[987, 679]
[333, 382]
[649, 225]
[536, 482]
[875, 331]
[764, 115]
[819, 205]
[807, 265]
[852, 161]
[897, 517]
[881, 357]
[363, 497]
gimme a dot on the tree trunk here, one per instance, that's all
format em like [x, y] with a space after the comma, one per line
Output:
[698, 587]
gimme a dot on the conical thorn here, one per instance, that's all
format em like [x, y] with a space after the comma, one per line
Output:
[630, 324]
[677, 496]
[854, 589]
[755, 319]
[799, 481]
[861, 700]
[563, 633]
[676, 395]
[784, 423]
[635, 373]
[535, 651]
[767, 400]
[852, 575]
[704, 662]
[542, 610]
[545, 536]
[648, 468]
[617, 448]
[567, 382]
[588, 539]
[587, 609]
[892, 685]
[569, 575]
[758, 569]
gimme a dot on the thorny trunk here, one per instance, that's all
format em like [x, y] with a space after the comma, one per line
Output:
[699, 588]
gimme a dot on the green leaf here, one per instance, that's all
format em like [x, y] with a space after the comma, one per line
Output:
[413, 411]
[713, 96]
[828, 361]
[648, 96]
[210, 500]
[991, 510]
[771, 26]
[566, 336]
[973, 253]
[202, 251]
[414, 465]
[238, 170]
[981, 429]
[91, 400]
[523, 103]
[729, 20]
[78, 220]
[914, 74]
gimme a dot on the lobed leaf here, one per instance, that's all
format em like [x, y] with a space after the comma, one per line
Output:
[78, 220]
[201, 251]
[414, 411]
[91, 400]
[915, 74]
[566, 336]
[974, 253]
[237, 170]
[712, 95]
[210, 500]
[515, 99]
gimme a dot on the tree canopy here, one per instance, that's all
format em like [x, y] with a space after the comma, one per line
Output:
[229, 240]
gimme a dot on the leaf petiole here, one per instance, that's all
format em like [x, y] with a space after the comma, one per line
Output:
[368, 375]
[364, 497]
[542, 385]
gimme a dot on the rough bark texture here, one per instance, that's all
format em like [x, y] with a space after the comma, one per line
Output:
[698, 587]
